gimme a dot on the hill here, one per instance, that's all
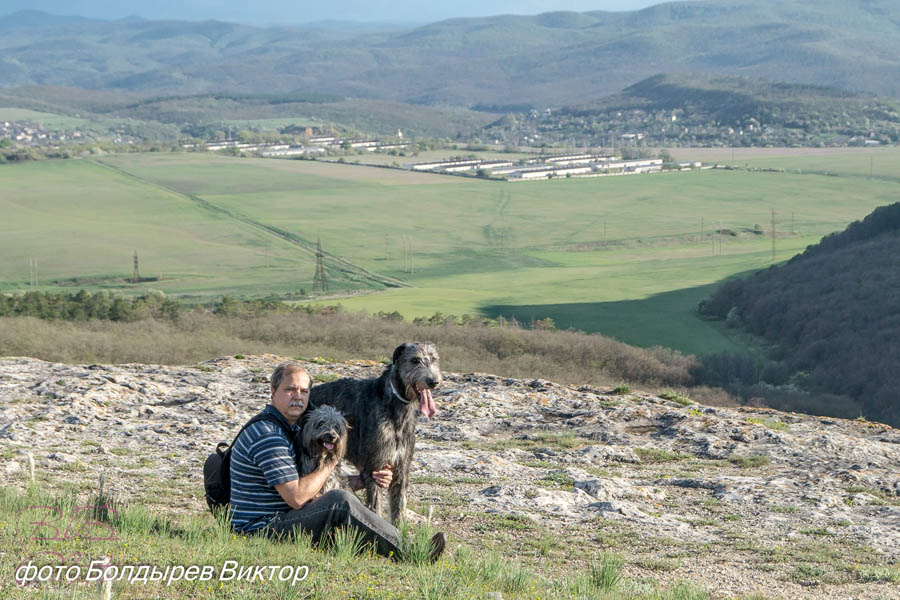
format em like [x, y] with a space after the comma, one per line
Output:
[712, 110]
[554, 58]
[165, 117]
[831, 313]
[741, 503]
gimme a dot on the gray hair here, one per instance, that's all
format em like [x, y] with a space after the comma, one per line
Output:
[284, 368]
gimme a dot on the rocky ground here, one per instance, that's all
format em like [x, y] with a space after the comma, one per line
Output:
[737, 501]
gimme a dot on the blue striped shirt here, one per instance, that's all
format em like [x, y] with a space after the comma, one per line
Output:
[262, 458]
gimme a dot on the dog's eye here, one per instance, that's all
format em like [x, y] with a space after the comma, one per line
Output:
[319, 424]
[417, 361]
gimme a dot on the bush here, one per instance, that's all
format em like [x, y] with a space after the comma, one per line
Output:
[152, 329]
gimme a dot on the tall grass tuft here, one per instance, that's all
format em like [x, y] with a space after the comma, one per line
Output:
[346, 543]
[415, 543]
[607, 572]
[686, 591]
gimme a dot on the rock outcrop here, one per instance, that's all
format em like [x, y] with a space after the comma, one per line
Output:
[564, 458]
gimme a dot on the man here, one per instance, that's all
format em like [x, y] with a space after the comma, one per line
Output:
[269, 496]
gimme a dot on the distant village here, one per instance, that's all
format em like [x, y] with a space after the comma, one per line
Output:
[315, 144]
[27, 133]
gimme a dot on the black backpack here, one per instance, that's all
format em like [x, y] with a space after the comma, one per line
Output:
[217, 469]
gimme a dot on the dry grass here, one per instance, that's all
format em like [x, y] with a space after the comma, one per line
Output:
[562, 356]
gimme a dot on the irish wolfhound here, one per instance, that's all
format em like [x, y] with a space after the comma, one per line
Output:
[324, 440]
[382, 416]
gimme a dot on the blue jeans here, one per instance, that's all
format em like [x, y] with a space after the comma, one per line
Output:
[337, 508]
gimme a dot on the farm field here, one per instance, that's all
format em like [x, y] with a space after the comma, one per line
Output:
[626, 256]
[876, 161]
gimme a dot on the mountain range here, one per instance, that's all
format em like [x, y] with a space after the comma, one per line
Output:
[552, 59]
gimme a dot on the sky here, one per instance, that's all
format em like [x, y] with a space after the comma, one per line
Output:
[270, 12]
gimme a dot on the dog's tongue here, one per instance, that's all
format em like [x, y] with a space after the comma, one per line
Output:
[328, 446]
[426, 403]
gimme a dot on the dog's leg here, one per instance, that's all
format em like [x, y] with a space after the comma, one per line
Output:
[373, 497]
[397, 493]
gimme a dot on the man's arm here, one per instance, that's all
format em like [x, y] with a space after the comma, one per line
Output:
[298, 492]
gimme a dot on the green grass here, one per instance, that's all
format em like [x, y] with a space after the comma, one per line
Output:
[750, 462]
[556, 479]
[676, 398]
[325, 377]
[623, 256]
[769, 423]
[849, 162]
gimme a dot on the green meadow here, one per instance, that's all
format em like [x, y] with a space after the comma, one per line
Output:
[878, 161]
[49, 120]
[626, 256]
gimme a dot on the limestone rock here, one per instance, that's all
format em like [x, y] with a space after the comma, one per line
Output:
[554, 453]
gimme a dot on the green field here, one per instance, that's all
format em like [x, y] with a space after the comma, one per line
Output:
[864, 162]
[626, 256]
[47, 120]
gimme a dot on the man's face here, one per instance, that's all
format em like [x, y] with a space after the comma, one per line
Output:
[292, 396]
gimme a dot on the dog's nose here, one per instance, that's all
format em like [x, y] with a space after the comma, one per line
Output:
[432, 382]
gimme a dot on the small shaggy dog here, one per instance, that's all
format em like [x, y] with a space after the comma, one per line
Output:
[324, 440]
[382, 415]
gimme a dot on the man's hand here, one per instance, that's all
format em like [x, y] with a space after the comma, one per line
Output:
[383, 478]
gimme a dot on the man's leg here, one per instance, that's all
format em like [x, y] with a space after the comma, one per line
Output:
[337, 508]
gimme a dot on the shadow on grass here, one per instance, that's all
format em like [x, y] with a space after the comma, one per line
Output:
[669, 319]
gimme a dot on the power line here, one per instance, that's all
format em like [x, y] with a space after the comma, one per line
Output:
[319, 281]
[136, 276]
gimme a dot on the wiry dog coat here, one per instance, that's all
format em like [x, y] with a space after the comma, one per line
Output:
[324, 441]
[382, 415]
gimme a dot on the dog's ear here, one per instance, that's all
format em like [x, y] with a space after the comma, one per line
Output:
[398, 352]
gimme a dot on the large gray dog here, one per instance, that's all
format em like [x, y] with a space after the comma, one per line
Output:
[382, 417]
[324, 440]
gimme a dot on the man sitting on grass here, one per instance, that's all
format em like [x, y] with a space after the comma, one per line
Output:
[269, 496]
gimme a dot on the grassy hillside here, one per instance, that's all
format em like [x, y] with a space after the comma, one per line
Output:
[553, 58]
[832, 313]
[623, 255]
[167, 117]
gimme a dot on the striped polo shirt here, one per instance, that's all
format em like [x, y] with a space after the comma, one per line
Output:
[261, 458]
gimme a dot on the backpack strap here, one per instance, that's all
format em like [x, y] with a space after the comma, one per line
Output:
[292, 439]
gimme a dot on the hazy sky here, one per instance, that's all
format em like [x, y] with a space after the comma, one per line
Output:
[300, 11]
